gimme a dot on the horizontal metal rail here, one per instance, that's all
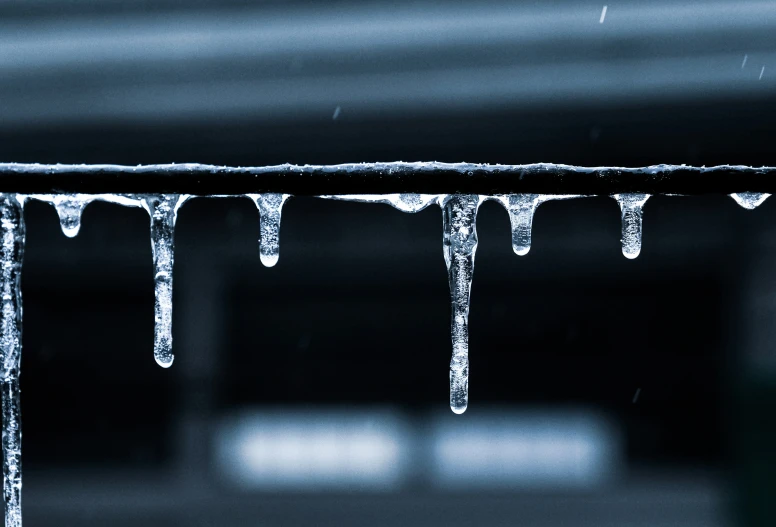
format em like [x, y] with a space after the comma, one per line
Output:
[382, 178]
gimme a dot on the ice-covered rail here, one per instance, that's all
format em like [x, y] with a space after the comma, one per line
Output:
[458, 188]
[383, 178]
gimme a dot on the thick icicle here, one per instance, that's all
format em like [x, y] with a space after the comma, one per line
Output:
[631, 206]
[163, 211]
[750, 200]
[459, 216]
[11, 348]
[270, 209]
[69, 208]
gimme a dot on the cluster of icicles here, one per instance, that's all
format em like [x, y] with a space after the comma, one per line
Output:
[459, 213]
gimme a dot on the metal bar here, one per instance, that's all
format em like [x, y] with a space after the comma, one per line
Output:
[383, 178]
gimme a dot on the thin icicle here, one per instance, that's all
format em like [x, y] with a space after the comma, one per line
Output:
[11, 349]
[163, 211]
[270, 210]
[631, 206]
[750, 200]
[69, 208]
[459, 216]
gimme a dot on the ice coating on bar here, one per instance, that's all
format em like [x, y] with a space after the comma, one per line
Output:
[631, 207]
[270, 210]
[69, 208]
[11, 348]
[408, 202]
[750, 200]
[163, 211]
[459, 216]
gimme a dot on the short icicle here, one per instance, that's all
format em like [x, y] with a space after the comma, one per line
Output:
[270, 209]
[69, 208]
[631, 206]
[750, 200]
[11, 349]
[163, 211]
[521, 209]
[459, 216]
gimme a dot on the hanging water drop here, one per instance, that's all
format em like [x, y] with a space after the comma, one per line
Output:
[750, 200]
[459, 216]
[12, 252]
[163, 211]
[69, 209]
[270, 209]
[631, 207]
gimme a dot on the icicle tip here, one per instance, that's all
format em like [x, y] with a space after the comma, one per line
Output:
[164, 362]
[269, 260]
[458, 410]
[71, 232]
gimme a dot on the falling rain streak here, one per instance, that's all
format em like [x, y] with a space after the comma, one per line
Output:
[459, 215]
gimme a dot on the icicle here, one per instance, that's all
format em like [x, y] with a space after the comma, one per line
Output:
[11, 349]
[163, 211]
[69, 209]
[631, 207]
[750, 200]
[270, 209]
[521, 209]
[459, 216]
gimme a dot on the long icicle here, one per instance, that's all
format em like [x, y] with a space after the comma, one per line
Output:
[11, 348]
[163, 211]
[270, 209]
[631, 206]
[459, 217]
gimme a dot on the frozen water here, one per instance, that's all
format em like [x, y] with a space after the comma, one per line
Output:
[521, 209]
[750, 200]
[459, 217]
[11, 347]
[460, 244]
[69, 208]
[631, 207]
[270, 209]
[410, 202]
[163, 210]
